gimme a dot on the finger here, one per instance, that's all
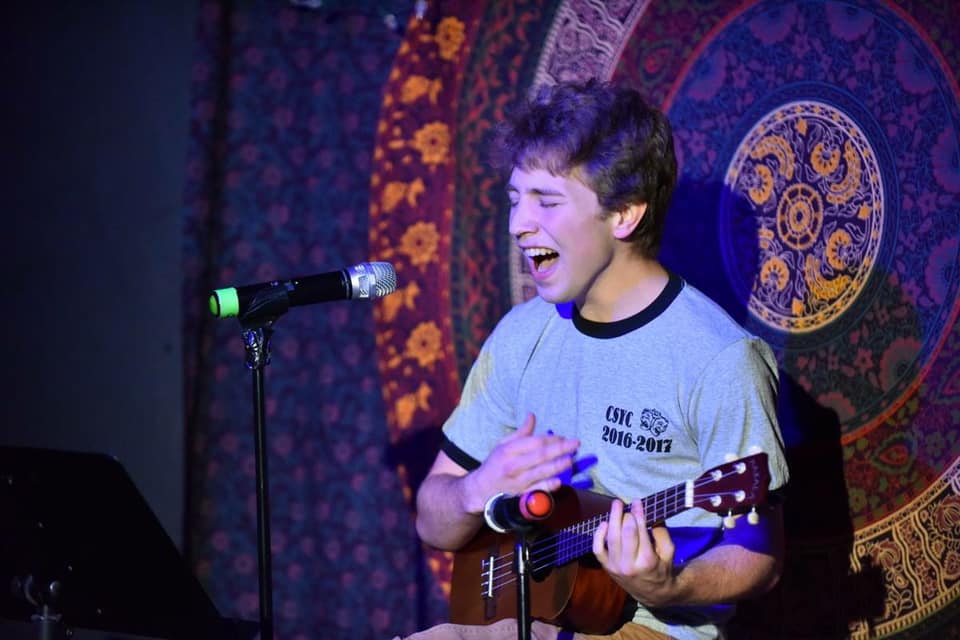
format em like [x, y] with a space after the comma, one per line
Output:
[525, 429]
[663, 543]
[548, 484]
[555, 447]
[548, 454]
[614, 528]
[545, 474]
[631, 536]
[558, 445]
[538, 456]
[638, 528]
[599, 543]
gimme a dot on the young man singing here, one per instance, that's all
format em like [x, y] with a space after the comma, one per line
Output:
[618, 373]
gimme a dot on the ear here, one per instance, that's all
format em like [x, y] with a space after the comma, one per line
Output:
[627, 219]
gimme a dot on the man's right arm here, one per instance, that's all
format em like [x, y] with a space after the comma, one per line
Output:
[450, 501]
[447, 517]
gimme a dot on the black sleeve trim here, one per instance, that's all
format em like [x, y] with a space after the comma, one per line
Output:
[458, 455]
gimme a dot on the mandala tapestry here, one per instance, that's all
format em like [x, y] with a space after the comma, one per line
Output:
[818, 202]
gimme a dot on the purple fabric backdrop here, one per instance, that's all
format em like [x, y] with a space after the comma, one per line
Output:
[284, 113]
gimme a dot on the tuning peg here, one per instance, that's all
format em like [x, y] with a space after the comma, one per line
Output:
[729, 522]
[730, 457]
[753, 517]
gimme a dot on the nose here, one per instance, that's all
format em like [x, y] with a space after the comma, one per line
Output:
[522, 219]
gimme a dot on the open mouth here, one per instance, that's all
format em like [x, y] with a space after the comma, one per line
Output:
[541, 258]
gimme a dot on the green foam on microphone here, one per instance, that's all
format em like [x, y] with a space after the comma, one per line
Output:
[224, 303]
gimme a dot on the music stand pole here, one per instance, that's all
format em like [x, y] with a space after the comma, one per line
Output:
[44, 596]
[49, 621]
[522, 555]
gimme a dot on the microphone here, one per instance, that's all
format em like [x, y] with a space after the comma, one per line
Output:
[361, 281]
[505, 513]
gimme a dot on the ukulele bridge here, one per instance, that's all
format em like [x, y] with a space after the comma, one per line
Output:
[487, 568]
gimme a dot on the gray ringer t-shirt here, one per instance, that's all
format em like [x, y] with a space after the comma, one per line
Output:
[655, 399]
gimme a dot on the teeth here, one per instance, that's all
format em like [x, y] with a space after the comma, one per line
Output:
[540, 257]
[536, 252]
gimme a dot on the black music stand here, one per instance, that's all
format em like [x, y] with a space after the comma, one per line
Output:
[81, 548]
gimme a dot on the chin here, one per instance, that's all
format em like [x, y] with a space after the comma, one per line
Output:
[552, 296]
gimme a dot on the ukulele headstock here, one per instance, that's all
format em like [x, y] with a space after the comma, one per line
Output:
[733, 487]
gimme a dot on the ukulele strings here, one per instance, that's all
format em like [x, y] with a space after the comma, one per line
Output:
[567, 544]
[574, 541]
[571, 542]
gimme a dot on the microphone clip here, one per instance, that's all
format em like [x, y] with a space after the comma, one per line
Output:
[266, 306]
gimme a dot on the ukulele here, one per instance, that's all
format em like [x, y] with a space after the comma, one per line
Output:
[568, 587]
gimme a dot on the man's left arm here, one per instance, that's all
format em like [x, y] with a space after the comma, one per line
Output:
[747, 559]
[745, 563]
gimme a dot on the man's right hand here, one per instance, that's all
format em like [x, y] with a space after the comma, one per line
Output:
[521, 462]
[450, 501]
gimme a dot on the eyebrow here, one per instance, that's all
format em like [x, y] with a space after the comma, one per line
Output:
[536, 191]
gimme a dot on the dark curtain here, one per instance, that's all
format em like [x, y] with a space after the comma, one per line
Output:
[285, 106]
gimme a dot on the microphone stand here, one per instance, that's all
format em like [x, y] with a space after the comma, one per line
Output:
[257, 322]
[522, 556]
[256, 343]
[530, 508]
[266, 305]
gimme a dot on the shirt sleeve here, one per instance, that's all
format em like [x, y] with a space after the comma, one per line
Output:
[734, 412]
[733, 408]
[487, 408]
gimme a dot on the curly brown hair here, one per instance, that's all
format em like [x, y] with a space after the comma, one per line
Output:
[607, 136]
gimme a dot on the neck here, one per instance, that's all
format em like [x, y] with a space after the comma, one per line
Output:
[624, 292]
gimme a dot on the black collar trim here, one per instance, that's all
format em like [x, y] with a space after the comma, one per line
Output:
[625, 326]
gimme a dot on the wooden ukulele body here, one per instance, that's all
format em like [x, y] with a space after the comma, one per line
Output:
[574, 595]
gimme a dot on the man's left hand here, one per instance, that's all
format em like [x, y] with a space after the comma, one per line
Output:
[638, 559]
